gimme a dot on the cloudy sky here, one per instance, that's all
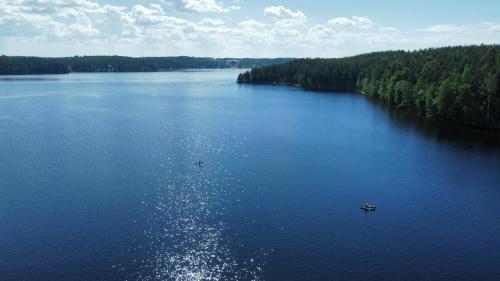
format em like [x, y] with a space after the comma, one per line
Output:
[241, 28]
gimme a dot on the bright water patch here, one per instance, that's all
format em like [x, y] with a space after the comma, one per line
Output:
[188, 238]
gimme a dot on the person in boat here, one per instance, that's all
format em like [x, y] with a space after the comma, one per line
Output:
[367, 207]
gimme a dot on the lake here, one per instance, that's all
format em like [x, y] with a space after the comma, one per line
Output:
[99, 181]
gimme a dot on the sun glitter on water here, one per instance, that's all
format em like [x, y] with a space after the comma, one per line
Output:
[188, 240]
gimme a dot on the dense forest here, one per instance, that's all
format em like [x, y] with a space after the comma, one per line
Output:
[36, 65]
[457, 84]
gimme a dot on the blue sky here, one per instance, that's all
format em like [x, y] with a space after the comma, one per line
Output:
[241, 28]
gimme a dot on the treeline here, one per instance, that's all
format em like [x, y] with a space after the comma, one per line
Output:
[36, 65]
[458, 84]
[30, 65]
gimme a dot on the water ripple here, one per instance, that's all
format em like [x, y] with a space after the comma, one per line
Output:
[188, 238]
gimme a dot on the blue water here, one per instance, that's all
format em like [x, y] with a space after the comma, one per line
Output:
[98, 182]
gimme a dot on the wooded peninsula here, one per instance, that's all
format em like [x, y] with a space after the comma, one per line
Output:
[457, 84]
[37, 65]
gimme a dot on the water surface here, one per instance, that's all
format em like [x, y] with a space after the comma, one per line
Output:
[98, 182]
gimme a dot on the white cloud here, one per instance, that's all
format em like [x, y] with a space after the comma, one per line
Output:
[281, 12]
[360, 22]
[59, 18]
[147, 16]
[251, 23]
[388, 29]
[443, 28]
[200, 6]
[493, 27]
[70, 27]
[210, 21]
[484, 28]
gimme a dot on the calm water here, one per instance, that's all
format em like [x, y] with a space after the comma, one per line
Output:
[98, 182]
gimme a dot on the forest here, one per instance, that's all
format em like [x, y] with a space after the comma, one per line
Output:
[457, 84]
[36, 65]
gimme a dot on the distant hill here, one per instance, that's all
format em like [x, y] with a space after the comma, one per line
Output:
[457, 84]
[36, 65]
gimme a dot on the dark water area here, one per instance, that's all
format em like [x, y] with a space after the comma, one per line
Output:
[98, 181]
[456, 134]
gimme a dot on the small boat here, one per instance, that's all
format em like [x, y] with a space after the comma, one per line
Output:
[368, 207]
[200, 163]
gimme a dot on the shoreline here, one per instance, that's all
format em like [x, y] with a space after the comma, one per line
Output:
[380, 102]
[103, 72]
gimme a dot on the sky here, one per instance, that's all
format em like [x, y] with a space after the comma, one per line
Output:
[241, 28]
